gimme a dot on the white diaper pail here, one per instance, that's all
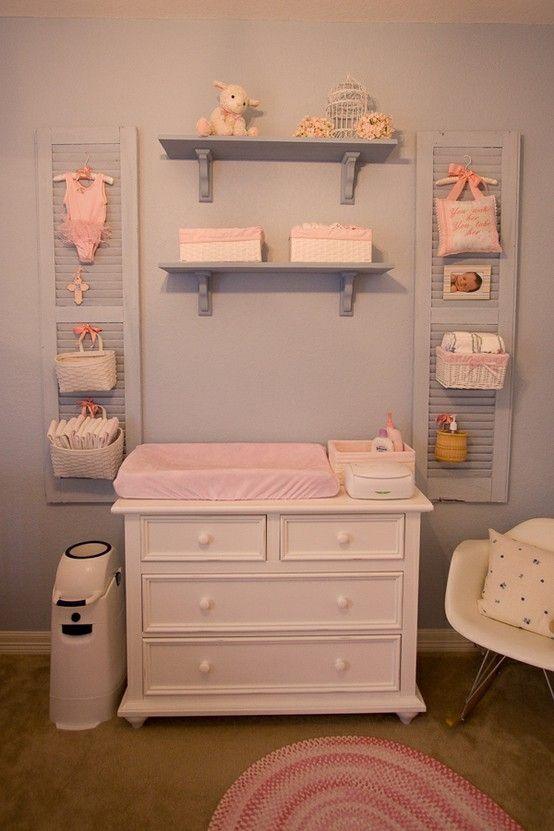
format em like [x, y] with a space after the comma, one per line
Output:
[87, 662]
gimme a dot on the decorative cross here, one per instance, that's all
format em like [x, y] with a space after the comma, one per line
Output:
[78, 287]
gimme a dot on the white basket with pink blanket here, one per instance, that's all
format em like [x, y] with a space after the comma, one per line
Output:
[221, 244]
[471, 360]
[315, 243]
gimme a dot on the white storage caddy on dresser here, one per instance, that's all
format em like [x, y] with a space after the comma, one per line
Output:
[271, 606]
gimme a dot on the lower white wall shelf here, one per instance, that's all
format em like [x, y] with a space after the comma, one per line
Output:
[346, 272]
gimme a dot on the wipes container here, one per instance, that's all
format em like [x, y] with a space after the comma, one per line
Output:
[87, 662]
[379, 480]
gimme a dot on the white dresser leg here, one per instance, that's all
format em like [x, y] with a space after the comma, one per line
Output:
[135, 722]
[406, 717]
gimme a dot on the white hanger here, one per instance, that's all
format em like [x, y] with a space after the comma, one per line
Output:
[85, 172]
[449, 180]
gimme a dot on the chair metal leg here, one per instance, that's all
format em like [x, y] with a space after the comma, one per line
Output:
[486, 674]
[548, 684]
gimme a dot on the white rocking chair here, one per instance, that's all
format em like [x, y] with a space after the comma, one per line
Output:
[499, 641]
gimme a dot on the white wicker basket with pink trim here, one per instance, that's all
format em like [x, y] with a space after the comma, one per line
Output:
[314, 243]
[477, 371]
[221, 244]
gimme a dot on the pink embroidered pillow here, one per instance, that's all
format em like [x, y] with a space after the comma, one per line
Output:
[467, 226]
[519, 586]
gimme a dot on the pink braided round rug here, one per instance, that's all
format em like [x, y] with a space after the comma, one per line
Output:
[353, 783]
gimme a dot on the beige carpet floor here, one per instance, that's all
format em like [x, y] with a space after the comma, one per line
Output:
[171, 773]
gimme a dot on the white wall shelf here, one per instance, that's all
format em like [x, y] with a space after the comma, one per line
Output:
[346, 272]
[349, 153]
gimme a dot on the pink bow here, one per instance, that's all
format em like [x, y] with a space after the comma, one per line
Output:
[84, 172]
[227, 112]
[86, 329]
[90, 406]
[465, 177]
[474, 362]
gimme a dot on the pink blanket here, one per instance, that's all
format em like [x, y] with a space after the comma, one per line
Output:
[226, 471]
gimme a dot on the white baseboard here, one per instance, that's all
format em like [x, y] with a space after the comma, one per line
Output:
[442, 640]
[25, 643]
[428, 641]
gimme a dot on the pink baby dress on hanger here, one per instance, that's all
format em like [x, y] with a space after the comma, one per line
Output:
[85, 222]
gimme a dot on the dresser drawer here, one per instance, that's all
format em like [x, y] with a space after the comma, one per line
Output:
[342, 537]
[203, 538]
[193, 603]
[178, 666]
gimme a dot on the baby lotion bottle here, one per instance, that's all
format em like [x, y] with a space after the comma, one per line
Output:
[381, 443]
[394, 434]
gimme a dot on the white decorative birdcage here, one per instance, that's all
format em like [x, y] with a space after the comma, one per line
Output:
[346, 104]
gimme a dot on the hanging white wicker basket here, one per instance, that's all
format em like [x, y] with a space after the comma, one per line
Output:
[96, 463]
[100, 463]
[80, 371]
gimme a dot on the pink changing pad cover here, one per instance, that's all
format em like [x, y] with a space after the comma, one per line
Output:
[238, 470]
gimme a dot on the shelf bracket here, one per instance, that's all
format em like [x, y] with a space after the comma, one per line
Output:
[346, 299]
[205, 175]
[348, 171]
[204, 293]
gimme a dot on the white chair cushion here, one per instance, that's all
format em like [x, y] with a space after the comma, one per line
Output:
[519, 585]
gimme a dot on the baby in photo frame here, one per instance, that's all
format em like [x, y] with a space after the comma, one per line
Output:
[465, 281]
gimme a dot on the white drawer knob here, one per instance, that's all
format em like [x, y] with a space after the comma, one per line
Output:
[343, 602]
[343, 537]
[205, 667]
[206, 603]
[204, 538]
[341, 665]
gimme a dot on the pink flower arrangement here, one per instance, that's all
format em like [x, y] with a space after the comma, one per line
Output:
[314, 126]
[374, 126]
[445, 420]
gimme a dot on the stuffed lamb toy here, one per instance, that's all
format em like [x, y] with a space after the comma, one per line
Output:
[227, 119]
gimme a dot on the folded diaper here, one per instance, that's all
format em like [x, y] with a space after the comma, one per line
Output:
[473, 342]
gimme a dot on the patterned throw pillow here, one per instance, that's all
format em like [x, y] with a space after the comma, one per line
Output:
[519, 586]
[467, 226]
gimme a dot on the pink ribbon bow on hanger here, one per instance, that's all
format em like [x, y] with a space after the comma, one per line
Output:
[465, 177]
[90, 406]
[87, 329]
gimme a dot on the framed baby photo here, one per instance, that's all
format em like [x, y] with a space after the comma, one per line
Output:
[467, 281]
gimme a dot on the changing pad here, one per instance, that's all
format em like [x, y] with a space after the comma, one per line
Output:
[240, 470]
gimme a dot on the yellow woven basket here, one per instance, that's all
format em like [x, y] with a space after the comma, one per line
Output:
[451, 447]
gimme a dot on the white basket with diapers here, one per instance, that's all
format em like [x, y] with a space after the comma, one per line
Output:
[86, 447]
[80, 371]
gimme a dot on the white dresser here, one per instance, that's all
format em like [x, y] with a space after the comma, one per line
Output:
[297, 606]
